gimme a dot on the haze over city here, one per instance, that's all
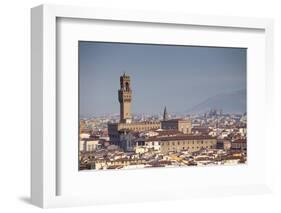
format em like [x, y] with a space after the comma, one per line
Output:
[179, 77]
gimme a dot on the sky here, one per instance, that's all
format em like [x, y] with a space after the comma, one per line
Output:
[178, 77]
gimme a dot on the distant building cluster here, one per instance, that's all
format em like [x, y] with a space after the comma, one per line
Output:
[211, 138]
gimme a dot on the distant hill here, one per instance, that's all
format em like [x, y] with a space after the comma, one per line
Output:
[233, 102]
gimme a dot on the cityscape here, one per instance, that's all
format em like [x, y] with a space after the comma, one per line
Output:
[210, 135]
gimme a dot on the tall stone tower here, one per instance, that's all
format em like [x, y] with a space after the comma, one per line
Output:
[125, 98]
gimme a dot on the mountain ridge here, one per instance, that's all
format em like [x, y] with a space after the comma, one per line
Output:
[229, 102]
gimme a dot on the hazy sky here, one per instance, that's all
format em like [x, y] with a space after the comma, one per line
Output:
[178, 77]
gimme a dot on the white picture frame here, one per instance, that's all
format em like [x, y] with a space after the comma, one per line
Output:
[44, 150]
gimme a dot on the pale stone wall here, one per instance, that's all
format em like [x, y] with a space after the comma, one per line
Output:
[188, 145]
[142, 126]
[184, 126]
[88, 145]
[177, 124]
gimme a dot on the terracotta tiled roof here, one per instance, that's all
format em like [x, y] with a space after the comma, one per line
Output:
[168, 132]
[175, 119]
[240, 141]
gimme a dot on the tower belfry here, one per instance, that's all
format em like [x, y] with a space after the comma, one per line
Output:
[125, 99]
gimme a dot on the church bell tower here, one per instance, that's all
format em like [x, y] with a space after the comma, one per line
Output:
[125, 98]
[165, 114]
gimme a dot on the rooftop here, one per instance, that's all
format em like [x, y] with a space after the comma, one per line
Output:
[180, 137]
[240, 141]
[175, 119]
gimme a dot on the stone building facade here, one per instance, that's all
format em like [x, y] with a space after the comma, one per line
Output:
[240, 144]
[191, 143]
[114, 129]
[177, 124]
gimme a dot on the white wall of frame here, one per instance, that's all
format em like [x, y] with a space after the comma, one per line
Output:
[15, 93]
[71, 182]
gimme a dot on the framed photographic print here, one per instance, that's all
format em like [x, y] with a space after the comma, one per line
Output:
[208, 124]
[148, 105]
